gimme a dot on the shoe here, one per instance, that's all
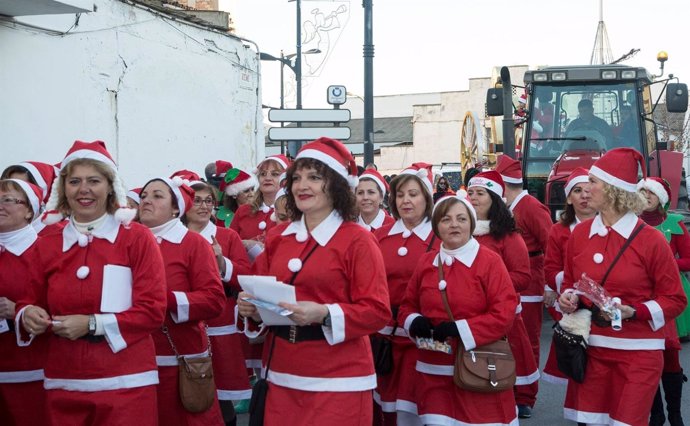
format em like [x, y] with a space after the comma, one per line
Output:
[242, 406]
[673, 389]
[524, 411]
[657, 417]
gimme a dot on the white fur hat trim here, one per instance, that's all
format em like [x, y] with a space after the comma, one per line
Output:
[295, 265]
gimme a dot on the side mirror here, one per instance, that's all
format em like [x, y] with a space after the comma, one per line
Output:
[677, 97]
[494, 102]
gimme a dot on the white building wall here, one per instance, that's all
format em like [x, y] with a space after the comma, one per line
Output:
[162, 94]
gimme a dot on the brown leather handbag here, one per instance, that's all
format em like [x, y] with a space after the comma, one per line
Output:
[197, 388]
[488, 368]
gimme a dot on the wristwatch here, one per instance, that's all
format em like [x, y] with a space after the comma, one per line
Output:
[634, 314]
[327, 320]
[92, 325]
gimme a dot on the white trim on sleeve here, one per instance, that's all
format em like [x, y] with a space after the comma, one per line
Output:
[408, 322]
[657, 320]
[388, 330]
[111, 330]
[182, 314]
[559, 281]
[336, 332]
[527, 380]
[466, 334]
[18, 329]
[126, 381]
[228, 270]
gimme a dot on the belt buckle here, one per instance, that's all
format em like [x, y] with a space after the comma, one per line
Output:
[292, 338]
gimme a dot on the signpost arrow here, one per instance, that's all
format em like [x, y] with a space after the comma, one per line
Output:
[307, 133]
[309, 115]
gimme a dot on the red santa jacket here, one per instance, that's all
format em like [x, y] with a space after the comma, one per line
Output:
[114, 253]
[252, 226]
[480, 294]
[645, 274]
[345, 271]
[513, 251]
[236, 263]
[533, 220]
[401, 249]
[555, 255]
[18, 258]
[195, 293]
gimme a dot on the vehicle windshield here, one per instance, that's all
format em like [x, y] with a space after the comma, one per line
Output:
[593, 117]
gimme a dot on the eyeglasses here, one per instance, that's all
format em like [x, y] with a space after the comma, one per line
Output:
[8, 201]
[208, 201]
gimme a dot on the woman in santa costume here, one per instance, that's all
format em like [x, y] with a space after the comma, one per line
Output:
[496, 230]
[194, 294]
[321, 370]
[229, 370]
[370, 193]
[657, 191]
[22, 397]
[623, 365]
[402, 244]
[41, 175]
[237, 189]
[481, 297]
[577, 209]
[98, 296]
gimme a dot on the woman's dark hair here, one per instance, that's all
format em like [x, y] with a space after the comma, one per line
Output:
[335, 187]
[469, 174]
[502, 222]
[401, 180]
[230, 203]
[18, 169]
[567, 216]
[173, 198]
[202, 186]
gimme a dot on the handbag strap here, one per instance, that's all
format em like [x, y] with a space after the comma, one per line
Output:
[431, 243]
[441, 277]
[620, 253]
[165, 331]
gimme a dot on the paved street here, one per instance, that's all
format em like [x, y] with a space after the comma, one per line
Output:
[549, 408]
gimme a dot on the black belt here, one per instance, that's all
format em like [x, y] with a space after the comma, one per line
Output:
[394, 311]
[93, 339]
[294, 334]
[535, 253]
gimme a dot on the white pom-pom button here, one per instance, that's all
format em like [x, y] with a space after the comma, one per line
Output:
[442, 285]
[262, 225]
[402, 251]
[265, 209]
[406, 233]
[159, 240]
[295, 265]
[82, 240]
[598, 257]
[448, 261]
[602, 232]
[83, 272]
[301, 237]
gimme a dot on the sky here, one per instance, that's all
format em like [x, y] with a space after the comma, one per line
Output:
[437, 45]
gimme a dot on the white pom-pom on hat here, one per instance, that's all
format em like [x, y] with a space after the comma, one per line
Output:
[125, 215]
[83, 272]
[402, 251]
[177, 181]
[442, 285]
[295, 265]
[52, 217]
[262, 225]
[598, 257]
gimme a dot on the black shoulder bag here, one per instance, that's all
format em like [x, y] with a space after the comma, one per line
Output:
[257, 405]
[571, 349]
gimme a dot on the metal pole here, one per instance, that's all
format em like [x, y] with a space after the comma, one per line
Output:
[282, 95]
[294, 146]
[508, 124]
[368, 53]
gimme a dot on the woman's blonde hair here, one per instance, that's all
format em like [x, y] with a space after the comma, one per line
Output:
[8, 185]
[258, 195]
[102, 168]
[622, 201]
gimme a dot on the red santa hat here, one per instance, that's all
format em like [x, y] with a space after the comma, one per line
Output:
[282, 160]
[423, 172]
[33, 193]
[509, 169]
[222, 168]
[462, 197]
[334, 155]
[94, 151]
[188, 177]
[659, 187]
[491, 180]
[578, 175]
[237, 180]
[184, 194]
[523, 98]
[619, 168]
[377, 178]
[43, 173]
[134, 194]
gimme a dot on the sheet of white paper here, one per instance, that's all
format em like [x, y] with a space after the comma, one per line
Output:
[116, 295]
[269, 290]
[4, 327]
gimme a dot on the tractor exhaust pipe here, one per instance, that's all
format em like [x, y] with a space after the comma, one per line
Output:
[508, 125]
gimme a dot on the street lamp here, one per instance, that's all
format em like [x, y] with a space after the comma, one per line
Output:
[287, 60]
